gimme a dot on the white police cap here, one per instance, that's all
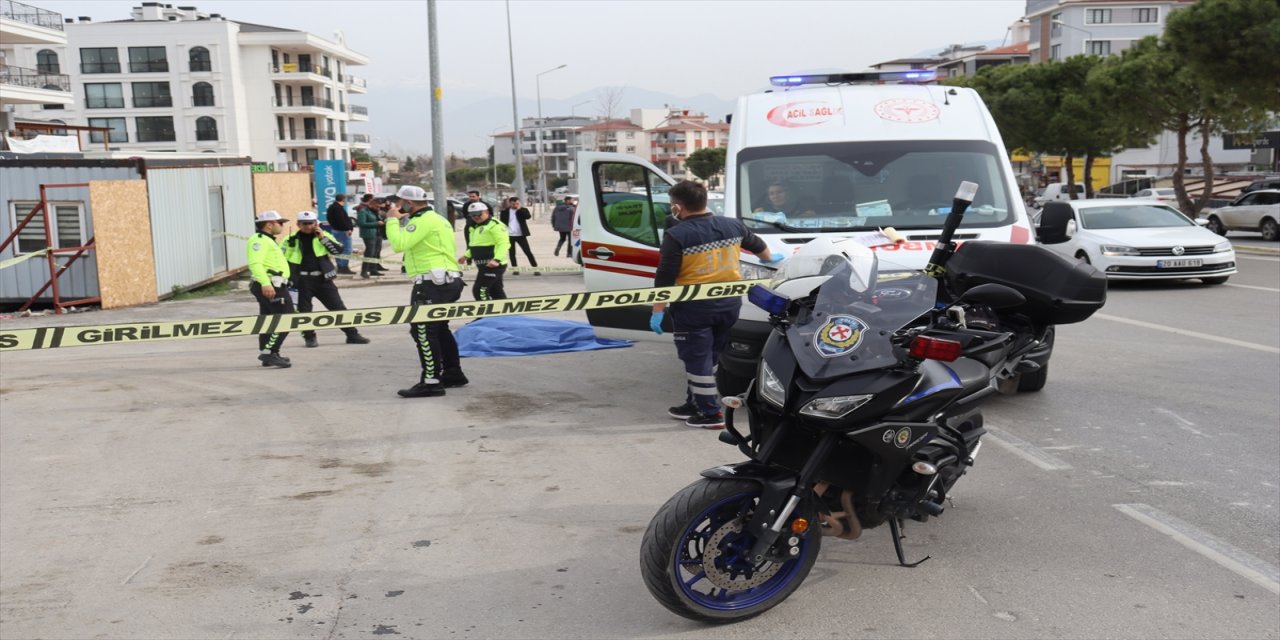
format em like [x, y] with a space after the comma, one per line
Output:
[410, 192]
[270, 216]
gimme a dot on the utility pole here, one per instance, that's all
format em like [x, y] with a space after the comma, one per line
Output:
[437, 116]
[518, 185]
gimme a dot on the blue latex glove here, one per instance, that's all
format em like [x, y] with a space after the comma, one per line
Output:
[655, 321]
[774, 258]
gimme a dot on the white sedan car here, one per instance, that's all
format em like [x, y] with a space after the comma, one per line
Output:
[1144, 240]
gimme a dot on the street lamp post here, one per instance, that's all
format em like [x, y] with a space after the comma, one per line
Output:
[575, 107]
[494, 161]
[1086, 32]
[518, 185]
[542, 164]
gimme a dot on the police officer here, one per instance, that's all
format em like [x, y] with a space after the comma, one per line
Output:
[702, 248]
[488, 243]
[427, 241]
[270, 285]
[312, 272]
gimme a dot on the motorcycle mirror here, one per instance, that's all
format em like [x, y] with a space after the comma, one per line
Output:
[996, 296]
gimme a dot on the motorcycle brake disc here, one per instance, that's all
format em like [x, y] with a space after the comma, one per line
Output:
[723, 578]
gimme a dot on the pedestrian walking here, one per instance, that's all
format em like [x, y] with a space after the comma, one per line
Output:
[370, 222]
[430, 258]
[562, 222]
[488, 243]
[341, 226]
[516, 219]
[702, 248]
[270, 283]
[307, 251]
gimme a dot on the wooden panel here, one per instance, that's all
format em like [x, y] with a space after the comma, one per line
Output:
[285, 192]
[122, 228]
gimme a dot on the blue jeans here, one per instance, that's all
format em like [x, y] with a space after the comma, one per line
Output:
[699, 338]
[345, 238]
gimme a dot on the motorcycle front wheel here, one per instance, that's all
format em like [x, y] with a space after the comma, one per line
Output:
[694, 557]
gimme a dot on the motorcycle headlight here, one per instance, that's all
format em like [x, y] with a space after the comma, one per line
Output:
[753, 271]
[1118, 250]
[835, 407]
[771, 388]
[1222, 246]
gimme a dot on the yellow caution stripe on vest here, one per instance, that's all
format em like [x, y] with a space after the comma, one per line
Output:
[90, 335]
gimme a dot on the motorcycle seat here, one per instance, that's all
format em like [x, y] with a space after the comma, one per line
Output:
[973, 375]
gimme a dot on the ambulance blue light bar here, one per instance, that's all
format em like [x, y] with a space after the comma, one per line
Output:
[869, 77]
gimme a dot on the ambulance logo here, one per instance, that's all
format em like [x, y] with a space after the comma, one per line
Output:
[907, 110]
[803, 114]
[839, 336]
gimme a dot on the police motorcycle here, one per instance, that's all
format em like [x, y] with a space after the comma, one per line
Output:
[864, 410]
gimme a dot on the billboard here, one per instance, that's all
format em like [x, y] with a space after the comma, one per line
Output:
[330, 180]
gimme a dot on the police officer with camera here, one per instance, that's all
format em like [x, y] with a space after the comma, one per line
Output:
[427, 241]
[312, 272]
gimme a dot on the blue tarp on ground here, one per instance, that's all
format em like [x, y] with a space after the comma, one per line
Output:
[526, 336]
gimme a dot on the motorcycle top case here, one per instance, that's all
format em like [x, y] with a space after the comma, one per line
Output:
[1058, 290]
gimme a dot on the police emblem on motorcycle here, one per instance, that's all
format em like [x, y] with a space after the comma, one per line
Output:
[839, 336]
[903, 437]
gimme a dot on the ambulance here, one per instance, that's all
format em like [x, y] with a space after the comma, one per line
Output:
[833, 154]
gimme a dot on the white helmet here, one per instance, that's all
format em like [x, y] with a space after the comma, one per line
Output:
[823, 256]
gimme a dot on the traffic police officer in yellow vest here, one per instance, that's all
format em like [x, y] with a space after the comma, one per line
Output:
[307, 250]
[270, 284]
[430, 251]
[488, 243]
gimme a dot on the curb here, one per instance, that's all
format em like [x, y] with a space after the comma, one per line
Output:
[1259, 251]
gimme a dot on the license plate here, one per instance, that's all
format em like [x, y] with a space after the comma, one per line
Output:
[1179, 264]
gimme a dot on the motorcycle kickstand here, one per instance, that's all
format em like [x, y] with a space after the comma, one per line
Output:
[895, 528]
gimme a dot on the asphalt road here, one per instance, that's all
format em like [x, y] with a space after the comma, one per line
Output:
[178, 490]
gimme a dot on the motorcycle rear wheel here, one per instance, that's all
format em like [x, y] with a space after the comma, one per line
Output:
[700, 528]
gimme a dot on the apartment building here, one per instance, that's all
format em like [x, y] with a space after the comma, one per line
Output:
[182, 80]
[1064, 28]
[41, 81]
[682, 133]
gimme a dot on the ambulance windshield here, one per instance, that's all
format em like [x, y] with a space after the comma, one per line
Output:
[861, 186]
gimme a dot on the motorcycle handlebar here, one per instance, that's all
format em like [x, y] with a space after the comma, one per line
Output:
[945, 247]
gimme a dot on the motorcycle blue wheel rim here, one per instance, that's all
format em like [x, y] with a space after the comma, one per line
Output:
[688, 570]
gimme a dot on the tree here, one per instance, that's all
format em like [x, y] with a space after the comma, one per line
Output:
[360, 155]
[610, 100]
[706, 163]
[408, 166]
[506, 172]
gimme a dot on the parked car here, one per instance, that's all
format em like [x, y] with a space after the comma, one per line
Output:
[1164, 194]
[1265, 183]
[1254, 211]
[1137, 240]
[1056, 191]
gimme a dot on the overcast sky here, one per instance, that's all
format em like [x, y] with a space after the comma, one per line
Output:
[684, 49]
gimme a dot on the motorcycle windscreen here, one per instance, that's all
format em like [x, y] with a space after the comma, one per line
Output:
[852, 321]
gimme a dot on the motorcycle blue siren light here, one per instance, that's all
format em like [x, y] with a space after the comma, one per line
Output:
[923, 348]
[767, 299]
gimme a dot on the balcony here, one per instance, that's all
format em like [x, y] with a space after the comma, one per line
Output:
[149, 102]
[25, 24]
[355, 84]
[302, 104]
[293, 72]
[360, 140]
[358, 112]
[305, 138]
[28, 86]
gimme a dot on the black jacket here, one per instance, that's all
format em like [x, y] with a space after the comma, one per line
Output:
[522, 215]
[338, 217]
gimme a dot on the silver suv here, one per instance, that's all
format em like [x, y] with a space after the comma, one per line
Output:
[1254, 211]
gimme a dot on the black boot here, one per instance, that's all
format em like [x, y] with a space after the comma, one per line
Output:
[422, 390]
[356, 338]
[453, 378]
[311, 341]
[274, 360]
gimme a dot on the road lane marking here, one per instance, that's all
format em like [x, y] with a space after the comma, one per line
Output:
[1257, 258]
[1186, 425]
[1190, 334]
[1249, 286]
[1025, 450]
[1235, 560]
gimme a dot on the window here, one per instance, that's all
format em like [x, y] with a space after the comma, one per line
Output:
[118, 131]
[151, 94]
[1098, 16]
[100, 60]
[199, 59]
[202, 94]
[47, 62]
[637, 214]
[155, 129]
[148, 60]
[103, 96]
[1055, 52]
[67, 228]
[206, 128]
[1099, 47]
[1055, 25]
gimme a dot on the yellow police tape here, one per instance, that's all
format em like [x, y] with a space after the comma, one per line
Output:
[384, 261]
[4, 264]
[89, 335]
